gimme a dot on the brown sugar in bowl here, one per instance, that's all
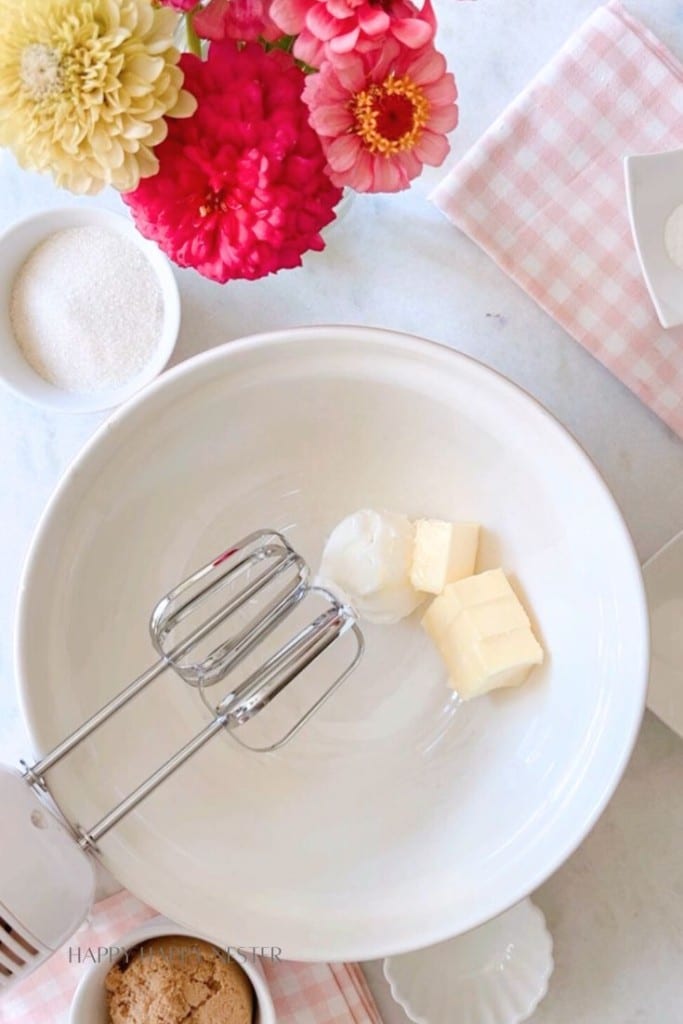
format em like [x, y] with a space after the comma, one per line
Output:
[178, 969]
[173, 979]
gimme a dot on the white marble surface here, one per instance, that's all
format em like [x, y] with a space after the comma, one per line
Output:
[616, 908]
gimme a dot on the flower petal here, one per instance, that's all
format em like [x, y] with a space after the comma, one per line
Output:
[388, 175]
[343, 152]
[332, 119]
[427, 14]
[443, 119]
[410, 164]
[350, 71]
[363, 177]
[373, 20]
[384, 59]
[321, 23]
[344, 43]
[209, 22]
[428, 66]
[431, 148]
[309, 49]
[444, 90]
[185, 105]
[412, 32]
[340, 8]
[290, 15]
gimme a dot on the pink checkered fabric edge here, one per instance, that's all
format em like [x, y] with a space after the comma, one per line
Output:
[45, 996]
[542, 192]
[317, 993]
[302, 993]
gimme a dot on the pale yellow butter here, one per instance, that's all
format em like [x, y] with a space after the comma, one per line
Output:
[483, 634]
[443, 553]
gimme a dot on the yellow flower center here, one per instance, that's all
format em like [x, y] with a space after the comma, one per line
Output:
[41, 73]
[389, 117]
[217, 201]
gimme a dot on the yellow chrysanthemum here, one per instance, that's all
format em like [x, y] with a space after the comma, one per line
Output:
[85, 86]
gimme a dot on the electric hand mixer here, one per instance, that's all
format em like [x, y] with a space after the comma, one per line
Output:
[46, 871]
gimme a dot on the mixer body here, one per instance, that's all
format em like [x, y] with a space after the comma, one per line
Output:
[47, 882]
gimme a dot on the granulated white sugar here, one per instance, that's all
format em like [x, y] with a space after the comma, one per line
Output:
[87, 309]
[673, 236]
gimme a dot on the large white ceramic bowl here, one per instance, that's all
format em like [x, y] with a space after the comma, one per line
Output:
[399, 817]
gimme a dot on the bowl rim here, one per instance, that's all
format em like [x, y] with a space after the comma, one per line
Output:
[431, 932]
[156, 927]
[81, 403]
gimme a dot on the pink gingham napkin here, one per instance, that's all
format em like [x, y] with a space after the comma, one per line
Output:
[302, 993]
[542, 192]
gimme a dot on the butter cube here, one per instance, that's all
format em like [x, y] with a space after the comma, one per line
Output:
[443, 553]
[483, 634]
[479, 589]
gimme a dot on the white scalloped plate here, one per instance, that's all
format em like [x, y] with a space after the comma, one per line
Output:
[496, 974]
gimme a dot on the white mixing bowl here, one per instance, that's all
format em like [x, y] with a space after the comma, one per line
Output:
[399, 817]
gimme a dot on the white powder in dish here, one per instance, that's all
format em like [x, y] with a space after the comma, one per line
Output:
[673, 236]
[87, 309]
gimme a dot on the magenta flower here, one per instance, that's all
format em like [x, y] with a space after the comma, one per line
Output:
[241, 190]
[328, 27]
[382, 114]
[235, 19]
[180, 5]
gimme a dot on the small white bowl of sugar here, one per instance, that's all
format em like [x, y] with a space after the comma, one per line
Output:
[89, 309]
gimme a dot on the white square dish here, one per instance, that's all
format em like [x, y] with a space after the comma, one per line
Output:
[664, 586]
[654, 187]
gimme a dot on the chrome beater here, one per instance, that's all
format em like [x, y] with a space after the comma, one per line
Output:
[267, 581]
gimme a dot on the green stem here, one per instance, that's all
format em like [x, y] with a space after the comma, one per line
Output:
[194, 43]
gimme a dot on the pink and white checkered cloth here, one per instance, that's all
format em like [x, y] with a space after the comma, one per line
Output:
[542, 192]
[302, 993]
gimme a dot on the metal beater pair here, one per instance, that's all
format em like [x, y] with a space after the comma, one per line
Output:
[266, 581]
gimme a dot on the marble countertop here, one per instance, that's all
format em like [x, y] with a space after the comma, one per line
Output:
[616, 908]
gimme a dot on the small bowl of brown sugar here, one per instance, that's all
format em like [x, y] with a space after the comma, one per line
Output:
[162, 974]
[89, 309]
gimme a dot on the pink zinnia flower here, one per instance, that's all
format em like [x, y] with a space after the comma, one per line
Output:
[235, 19]
[241, 190]
[180, 5]
[328, 27]
[381, 115]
